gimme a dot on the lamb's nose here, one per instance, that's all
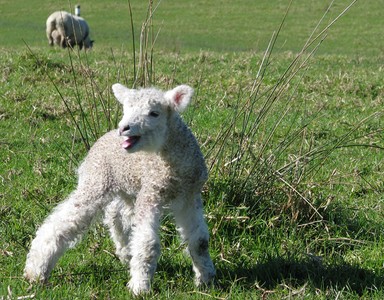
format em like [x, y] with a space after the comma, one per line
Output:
[125, 128]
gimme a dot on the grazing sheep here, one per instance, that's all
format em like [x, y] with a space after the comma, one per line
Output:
[153, 163]
[65, 29]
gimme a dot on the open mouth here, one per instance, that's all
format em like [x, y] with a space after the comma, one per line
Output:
[130, 141]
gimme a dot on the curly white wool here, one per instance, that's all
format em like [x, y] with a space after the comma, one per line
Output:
[152, 163]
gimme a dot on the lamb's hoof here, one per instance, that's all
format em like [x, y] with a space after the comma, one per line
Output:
[123, 254]
[205, 279]
[139, 287]
[32, 277]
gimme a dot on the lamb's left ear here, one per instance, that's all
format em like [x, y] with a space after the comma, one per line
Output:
[121, 92]
[179, 97]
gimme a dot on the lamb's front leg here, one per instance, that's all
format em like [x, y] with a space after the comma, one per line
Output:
[60, 230]
[144, 245]
[193, 230]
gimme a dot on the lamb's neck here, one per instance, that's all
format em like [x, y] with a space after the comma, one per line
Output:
[180, 143]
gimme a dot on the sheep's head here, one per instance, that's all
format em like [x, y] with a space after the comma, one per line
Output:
[89, 45]
[144, 125]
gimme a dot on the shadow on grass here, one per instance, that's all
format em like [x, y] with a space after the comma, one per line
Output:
[276, 271]
[267, 275]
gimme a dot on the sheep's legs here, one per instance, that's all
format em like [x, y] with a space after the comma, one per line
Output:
[50, 39]
[193, 230]
[145, 246]
[118, 218]
[59, 231]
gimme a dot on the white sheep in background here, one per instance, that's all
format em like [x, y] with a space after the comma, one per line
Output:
[65, 29]
[153, 163]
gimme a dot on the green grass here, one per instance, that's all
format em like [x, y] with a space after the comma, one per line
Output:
[191, 26]
[266, 239]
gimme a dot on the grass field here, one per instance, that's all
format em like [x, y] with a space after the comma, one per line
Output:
[295, 147]
[191, 26]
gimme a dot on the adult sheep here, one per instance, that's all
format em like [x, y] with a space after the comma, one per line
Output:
[65, 29]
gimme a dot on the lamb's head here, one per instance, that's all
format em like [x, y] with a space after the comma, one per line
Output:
[147, 113]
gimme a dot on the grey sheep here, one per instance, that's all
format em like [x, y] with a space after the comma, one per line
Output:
[65, 29]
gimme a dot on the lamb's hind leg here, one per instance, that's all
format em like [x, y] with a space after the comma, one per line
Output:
[59, 231]
[118, 217]
[194, 231]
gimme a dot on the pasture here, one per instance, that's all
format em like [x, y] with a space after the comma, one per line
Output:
[294, 143]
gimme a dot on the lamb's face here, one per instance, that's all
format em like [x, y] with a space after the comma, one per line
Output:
[144, 125]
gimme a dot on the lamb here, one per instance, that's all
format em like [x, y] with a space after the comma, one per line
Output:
[153, 163]
[65, 29]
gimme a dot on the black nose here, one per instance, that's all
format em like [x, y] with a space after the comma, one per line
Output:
[125, 128]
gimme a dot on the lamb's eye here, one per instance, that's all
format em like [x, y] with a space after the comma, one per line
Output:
[154, 114]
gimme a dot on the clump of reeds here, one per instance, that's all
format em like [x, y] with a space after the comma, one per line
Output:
[248, 164]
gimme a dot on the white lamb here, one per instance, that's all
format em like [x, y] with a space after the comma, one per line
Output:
[153, 163]
[65, 29]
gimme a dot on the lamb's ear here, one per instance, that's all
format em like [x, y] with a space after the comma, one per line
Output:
[121, 92]
[179, 97]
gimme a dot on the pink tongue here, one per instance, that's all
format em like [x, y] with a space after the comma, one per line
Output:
[129, 142]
